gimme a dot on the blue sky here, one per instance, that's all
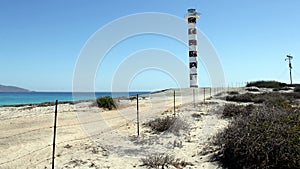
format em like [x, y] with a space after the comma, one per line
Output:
[40, 41]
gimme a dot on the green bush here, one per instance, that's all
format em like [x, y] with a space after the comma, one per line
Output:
[106, 102]
[266, 84]
[268, 138]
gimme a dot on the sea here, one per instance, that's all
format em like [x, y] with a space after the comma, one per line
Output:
[17, 98]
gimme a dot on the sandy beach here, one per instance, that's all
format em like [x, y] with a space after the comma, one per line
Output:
[90, 137]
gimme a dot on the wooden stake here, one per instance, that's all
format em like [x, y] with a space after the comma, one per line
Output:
[137, 115]
[54, 135]
[174, 104]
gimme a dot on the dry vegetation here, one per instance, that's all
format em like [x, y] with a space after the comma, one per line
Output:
[263, 97]
[170, 124]
[262, 136]
[267, 84]
[231, 110]
[297, 89]
[162, 161]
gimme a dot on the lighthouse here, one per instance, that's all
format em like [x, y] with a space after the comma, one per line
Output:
[192, 17]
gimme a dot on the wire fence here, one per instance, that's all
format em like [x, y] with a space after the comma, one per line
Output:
[199, 95]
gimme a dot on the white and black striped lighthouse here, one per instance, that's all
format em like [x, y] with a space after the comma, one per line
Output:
[192, 17]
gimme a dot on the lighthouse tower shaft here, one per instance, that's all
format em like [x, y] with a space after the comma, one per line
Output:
[192, 17]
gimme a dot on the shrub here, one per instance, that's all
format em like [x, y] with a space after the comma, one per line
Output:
[178, 125]
[155, 161]
[171, 124]
[106, 102]
[263, 97]
[233, 92]
[289, 98]
[292, 96]
[231, 110]
[268, 138]
[297, 89]
[161, 124]
[247, 97]
[266, 84]
[162, 160]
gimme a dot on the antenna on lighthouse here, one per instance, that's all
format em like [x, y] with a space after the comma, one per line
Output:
[192, 17]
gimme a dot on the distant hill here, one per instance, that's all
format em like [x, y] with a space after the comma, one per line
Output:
[12, 89]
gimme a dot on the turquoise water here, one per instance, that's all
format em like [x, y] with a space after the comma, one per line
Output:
[40, 97]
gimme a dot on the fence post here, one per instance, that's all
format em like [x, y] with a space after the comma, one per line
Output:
[210, 92]
[54, 135]
[174, 105]
[137, 115]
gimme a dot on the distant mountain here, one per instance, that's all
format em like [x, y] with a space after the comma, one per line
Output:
[12, 89]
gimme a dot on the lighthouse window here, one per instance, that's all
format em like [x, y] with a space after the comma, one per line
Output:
[193, 76]
[192, 31]
[192, 42]
[192, 20]
[193, 64]
[192, 53]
